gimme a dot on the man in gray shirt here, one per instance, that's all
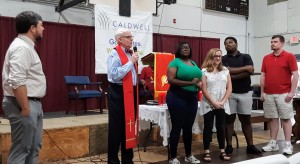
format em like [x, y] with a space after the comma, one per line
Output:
[24, 84]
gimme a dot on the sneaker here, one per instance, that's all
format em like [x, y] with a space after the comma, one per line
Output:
[287, 149]
[271, 146]
[251, 149]
[191, 159]
[174, 161]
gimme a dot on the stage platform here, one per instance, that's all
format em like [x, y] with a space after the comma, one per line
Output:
[65, 136]
[72, 137]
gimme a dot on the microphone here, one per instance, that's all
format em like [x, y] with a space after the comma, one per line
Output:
[135, 51]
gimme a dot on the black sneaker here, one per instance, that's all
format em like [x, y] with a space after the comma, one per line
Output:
[251, 149]
[229, 149]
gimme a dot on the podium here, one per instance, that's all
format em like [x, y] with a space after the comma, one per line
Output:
[161, 62]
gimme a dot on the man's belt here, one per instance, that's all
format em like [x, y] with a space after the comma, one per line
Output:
[29, 98]
[34, 98]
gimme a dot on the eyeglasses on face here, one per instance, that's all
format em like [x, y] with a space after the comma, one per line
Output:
[127, 37]
[217, 56]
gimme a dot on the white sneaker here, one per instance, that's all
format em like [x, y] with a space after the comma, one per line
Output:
[287, 149]
[272, 146]
[174, 161]
[191, 159]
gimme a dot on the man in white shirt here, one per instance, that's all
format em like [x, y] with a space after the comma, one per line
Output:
[24, 84]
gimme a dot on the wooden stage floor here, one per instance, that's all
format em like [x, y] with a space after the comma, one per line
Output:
[83, 139]
[65, 136]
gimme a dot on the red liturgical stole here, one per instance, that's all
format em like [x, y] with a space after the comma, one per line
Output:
[131, 126]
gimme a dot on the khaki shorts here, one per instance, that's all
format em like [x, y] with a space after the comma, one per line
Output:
[276, 107]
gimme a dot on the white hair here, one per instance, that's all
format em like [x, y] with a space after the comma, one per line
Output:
[120, 32]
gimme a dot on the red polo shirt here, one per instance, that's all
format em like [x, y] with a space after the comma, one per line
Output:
[278, 72]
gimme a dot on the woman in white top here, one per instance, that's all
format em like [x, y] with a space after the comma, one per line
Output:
[216, 88]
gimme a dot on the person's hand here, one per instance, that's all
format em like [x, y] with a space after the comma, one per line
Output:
[262, 96]
[289, 97]
[217, 105]
[195, 81]
[249, 68]
[143, 82]
[25, 112]
[199, 85]
[222, 104]
[134, 57]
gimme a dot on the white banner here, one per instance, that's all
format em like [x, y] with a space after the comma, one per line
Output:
[107, 21]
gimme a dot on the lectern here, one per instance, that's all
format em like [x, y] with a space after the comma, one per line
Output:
[161, 62]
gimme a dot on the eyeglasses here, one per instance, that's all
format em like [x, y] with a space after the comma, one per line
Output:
[127, 37]
[217, 56]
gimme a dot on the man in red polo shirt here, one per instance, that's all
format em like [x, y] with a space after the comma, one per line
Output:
[278, 82]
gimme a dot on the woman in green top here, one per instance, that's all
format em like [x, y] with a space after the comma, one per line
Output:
[184, 77]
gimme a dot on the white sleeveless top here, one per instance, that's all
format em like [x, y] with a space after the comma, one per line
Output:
[216, 87]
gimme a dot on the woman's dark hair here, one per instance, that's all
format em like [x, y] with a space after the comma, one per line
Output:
[178, 50]
[25, 20]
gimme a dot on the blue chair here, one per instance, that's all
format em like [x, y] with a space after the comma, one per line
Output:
[78, 90]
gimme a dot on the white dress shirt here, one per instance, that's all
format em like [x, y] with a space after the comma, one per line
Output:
[22, 66]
